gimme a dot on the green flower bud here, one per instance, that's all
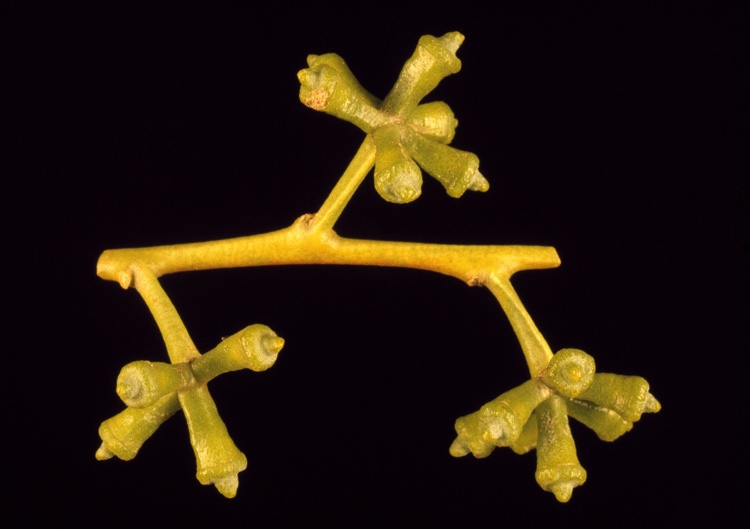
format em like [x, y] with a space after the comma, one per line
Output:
[434, 59]
[469, 439]
[397, 178]
[527, 440]
[570, 372]
[626, 395]
[499, 422]
[256, 347]
[557, 470]
[142, 383]
[456, 170]
[435, 120]
[336, 62]
[218, 459]
[607, 424]
[124, 434]
[330, 86]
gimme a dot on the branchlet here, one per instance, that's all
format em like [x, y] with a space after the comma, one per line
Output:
[404, 136]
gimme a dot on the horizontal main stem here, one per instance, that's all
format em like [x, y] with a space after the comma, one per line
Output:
[300, 244]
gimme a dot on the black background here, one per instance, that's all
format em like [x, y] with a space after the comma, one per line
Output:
[597, 129]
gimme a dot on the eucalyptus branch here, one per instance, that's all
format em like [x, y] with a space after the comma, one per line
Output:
[180, 346]
[347, 185]
[534, 346]
[403, 138]
[300, 245]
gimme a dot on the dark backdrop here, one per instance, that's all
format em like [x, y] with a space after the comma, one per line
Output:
[596, 129]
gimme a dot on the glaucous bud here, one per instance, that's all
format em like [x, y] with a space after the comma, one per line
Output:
[626, 395]
[607, 424]
[255, 347]
[142, 383]
[434, 120]
[397, 178]
[501, 421]
[329, 86]
[456, 170]
[527, 440]
[469, 439]
[570, 372]
[557, 467]
[124, 434]
[434, 59]
[218, 459]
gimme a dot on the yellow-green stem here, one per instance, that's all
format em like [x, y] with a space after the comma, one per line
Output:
[180, 346]
[534, 346]
[334, 205]
[298, 245]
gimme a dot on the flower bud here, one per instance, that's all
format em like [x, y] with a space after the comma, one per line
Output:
[124, 434]
[218, 459]
[570, 372]
[256, 347]
[456, 170]
[435, 120]
[397, 178]
[336, 62]
[434, 59]
[330, 86]
[501, 421]
[626, 395]
[557, 469]
[469, 438]
[607, 424]
[142, 383]
[527, 440]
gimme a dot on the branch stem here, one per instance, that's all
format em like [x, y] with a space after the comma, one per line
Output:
[534, 346]
[180, 346]
[299, 245]
[345, 188]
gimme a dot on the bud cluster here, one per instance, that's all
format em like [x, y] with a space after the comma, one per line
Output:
[407, 135]
[154, 391]
[535, 415]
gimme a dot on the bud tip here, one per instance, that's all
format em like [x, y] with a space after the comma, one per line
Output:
[227, 486]
[458, 448]
[103, 453]
[479, 183]
[452, 41]
[273, 344]
[651, 405]
[563, 490]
